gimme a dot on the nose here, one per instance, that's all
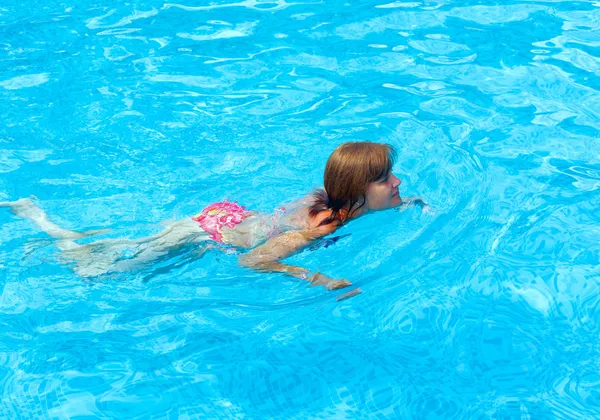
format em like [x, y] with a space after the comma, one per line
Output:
[396, 181]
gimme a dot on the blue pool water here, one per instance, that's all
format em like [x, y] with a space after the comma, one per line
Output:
[122, 115]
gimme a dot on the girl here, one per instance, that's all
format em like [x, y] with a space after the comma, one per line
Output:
[358, 180]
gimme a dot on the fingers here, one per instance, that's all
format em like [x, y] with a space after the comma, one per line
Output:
[349, 294]
[321, 280]
[337, 284]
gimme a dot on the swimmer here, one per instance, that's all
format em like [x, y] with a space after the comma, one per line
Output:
[358, 180]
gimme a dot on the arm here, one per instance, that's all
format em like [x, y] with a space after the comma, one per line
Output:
[408, 202]
[266, 257]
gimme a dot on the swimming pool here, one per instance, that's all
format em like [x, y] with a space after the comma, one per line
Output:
[122, 115]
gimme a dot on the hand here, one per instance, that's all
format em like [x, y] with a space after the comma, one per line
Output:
[425, 208]
[349, 294]
[428, 210]
[409, 202]
[337, 284]
[319, 279]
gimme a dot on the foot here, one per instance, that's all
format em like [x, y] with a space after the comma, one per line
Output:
[26, 208]
[20, 207]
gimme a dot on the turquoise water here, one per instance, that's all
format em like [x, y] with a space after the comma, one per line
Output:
[122, 115]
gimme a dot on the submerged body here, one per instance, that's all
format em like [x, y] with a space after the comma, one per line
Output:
[109, 255]
[291, 227]
[230, 223]
[238, 230]
[358, 180]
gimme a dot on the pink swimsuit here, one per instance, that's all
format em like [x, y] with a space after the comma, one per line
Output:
[214, 217]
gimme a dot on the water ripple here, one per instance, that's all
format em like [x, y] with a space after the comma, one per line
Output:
[122, 116]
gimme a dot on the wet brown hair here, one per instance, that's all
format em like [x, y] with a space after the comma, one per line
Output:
[349, 171]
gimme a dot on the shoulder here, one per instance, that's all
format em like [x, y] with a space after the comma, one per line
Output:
[314, 223]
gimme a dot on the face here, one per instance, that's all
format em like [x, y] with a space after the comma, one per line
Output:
[384, 193]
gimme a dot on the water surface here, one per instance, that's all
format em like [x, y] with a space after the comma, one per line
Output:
[123, 115]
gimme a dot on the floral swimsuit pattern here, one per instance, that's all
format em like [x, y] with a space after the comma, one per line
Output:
[224, 213]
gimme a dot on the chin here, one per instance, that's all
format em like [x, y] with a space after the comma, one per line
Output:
[396, 201]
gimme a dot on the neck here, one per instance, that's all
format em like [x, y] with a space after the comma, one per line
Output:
[357, 211]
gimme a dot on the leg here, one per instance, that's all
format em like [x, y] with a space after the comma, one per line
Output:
[92, 259]
[109, 255]
[27, 209]
[125, 255]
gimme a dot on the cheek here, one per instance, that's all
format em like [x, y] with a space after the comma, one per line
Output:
[378, 196]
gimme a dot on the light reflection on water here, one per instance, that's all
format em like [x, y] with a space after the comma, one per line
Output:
[125, 115]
